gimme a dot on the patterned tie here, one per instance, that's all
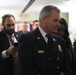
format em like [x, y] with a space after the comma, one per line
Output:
[11, 40]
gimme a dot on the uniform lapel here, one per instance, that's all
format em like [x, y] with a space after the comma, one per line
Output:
[41, 41]
[57, 47]
[54, 43]
[5, 38]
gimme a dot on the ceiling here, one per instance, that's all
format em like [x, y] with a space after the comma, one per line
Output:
[20, 6]
[10, 6]
[38, 4]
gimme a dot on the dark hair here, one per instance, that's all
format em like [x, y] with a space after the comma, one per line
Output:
[66, 33]
[35, 21]
[5, 16]
[63, 22]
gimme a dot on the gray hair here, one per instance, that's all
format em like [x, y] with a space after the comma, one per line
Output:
[45, 12]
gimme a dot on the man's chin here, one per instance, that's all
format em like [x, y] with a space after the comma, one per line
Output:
[10, 33]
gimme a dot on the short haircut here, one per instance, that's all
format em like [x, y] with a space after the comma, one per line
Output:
[35, 21]
[5, 16]
[46, 11]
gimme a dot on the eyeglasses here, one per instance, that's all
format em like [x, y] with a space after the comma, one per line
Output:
[10, 24]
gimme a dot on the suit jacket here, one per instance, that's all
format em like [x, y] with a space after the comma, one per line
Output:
[35, 57]
[7, 64]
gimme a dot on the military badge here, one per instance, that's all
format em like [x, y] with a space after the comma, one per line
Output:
[59, 48]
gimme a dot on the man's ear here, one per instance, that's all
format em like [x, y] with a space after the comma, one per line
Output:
[43, 19]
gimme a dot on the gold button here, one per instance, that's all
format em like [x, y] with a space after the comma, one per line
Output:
[49, 58]
[62, 73]
[57, 67]
[57, 58]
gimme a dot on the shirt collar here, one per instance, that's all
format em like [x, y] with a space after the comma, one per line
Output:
[42, 31]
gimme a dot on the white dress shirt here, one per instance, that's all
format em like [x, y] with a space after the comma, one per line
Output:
[4, 55]
[43, 34]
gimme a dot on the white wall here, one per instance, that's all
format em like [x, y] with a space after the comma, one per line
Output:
[69, 7]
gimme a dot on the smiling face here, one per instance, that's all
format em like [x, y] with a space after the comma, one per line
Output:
[9, 25]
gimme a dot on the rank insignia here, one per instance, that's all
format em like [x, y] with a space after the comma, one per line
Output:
[54, 39]
[41, 51]
[38, 37]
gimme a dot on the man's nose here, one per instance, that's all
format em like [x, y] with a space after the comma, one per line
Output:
[11, 27]
[58, 24]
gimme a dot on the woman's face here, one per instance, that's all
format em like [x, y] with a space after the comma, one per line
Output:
[61, 30]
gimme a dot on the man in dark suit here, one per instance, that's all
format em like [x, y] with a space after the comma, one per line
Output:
[36, 56]
[7, 49]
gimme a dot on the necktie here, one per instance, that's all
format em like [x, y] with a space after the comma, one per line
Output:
[11, 40]
[49, 40]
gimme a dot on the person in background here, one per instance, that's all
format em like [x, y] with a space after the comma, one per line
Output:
[1, 27]
[35, 24]
[7, 49]
[24, 28]
[40, 51]
[64, 33]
